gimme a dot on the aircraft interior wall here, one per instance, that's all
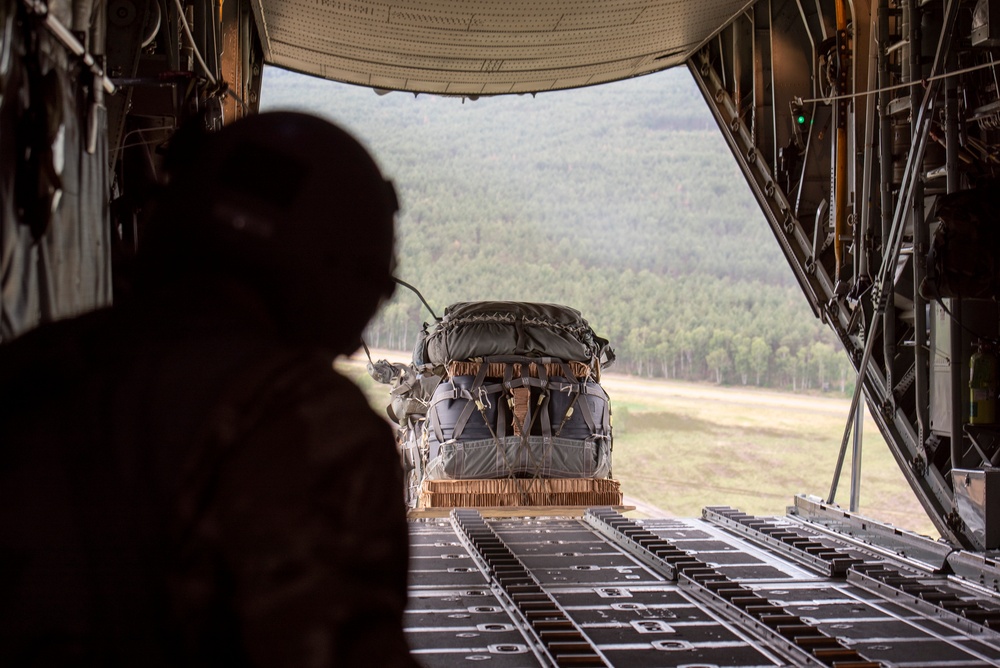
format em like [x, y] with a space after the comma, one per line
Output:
[876, 170]
[55, 243]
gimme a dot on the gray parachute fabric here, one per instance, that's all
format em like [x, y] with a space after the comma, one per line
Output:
[504, 390]
[470, 330]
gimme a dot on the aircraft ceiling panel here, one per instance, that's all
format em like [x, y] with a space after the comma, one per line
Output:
[486, 47]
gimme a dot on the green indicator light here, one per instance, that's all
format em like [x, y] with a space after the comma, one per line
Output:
[801, 119]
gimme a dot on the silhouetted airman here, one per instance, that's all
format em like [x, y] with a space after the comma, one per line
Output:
[184, 480]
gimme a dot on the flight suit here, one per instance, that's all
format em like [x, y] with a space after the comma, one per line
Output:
[179, 488]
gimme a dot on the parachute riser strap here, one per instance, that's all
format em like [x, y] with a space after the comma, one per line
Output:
[434, 422]
[515, 391]
[476, 395]
[569, 413]
[432, 410]
[500, 438]
[540, 408]
[588, 416]
[572, 389]
[473, 402]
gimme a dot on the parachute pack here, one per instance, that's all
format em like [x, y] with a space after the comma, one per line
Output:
[504, 390]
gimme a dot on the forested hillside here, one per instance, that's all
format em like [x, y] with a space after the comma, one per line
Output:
[620, 200]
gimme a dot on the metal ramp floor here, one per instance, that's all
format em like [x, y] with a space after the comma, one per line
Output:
[726, 589]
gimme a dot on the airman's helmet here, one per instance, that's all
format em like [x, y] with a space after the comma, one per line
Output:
[295, 206]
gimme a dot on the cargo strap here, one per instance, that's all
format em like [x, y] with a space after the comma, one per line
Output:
[537, 411]
[477, 397]
[527, 421]
[571, 385]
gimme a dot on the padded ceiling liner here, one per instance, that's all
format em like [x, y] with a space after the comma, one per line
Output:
[486, 47]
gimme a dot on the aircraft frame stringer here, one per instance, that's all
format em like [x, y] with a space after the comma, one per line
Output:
[804, 135]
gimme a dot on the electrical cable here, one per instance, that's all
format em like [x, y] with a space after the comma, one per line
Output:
[138, 131]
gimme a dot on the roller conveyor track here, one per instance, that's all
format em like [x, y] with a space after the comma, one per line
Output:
[727, 589]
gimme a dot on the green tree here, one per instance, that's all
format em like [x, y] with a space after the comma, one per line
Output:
[742, 360]
[718, 361]
[760, 357]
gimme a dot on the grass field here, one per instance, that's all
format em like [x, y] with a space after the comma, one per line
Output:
[682, 446]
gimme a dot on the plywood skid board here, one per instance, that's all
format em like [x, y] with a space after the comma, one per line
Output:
[516, 492]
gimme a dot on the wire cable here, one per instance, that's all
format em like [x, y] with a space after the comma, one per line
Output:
[992, 339]
[417, 293]
[367, 352]
[887, 89]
